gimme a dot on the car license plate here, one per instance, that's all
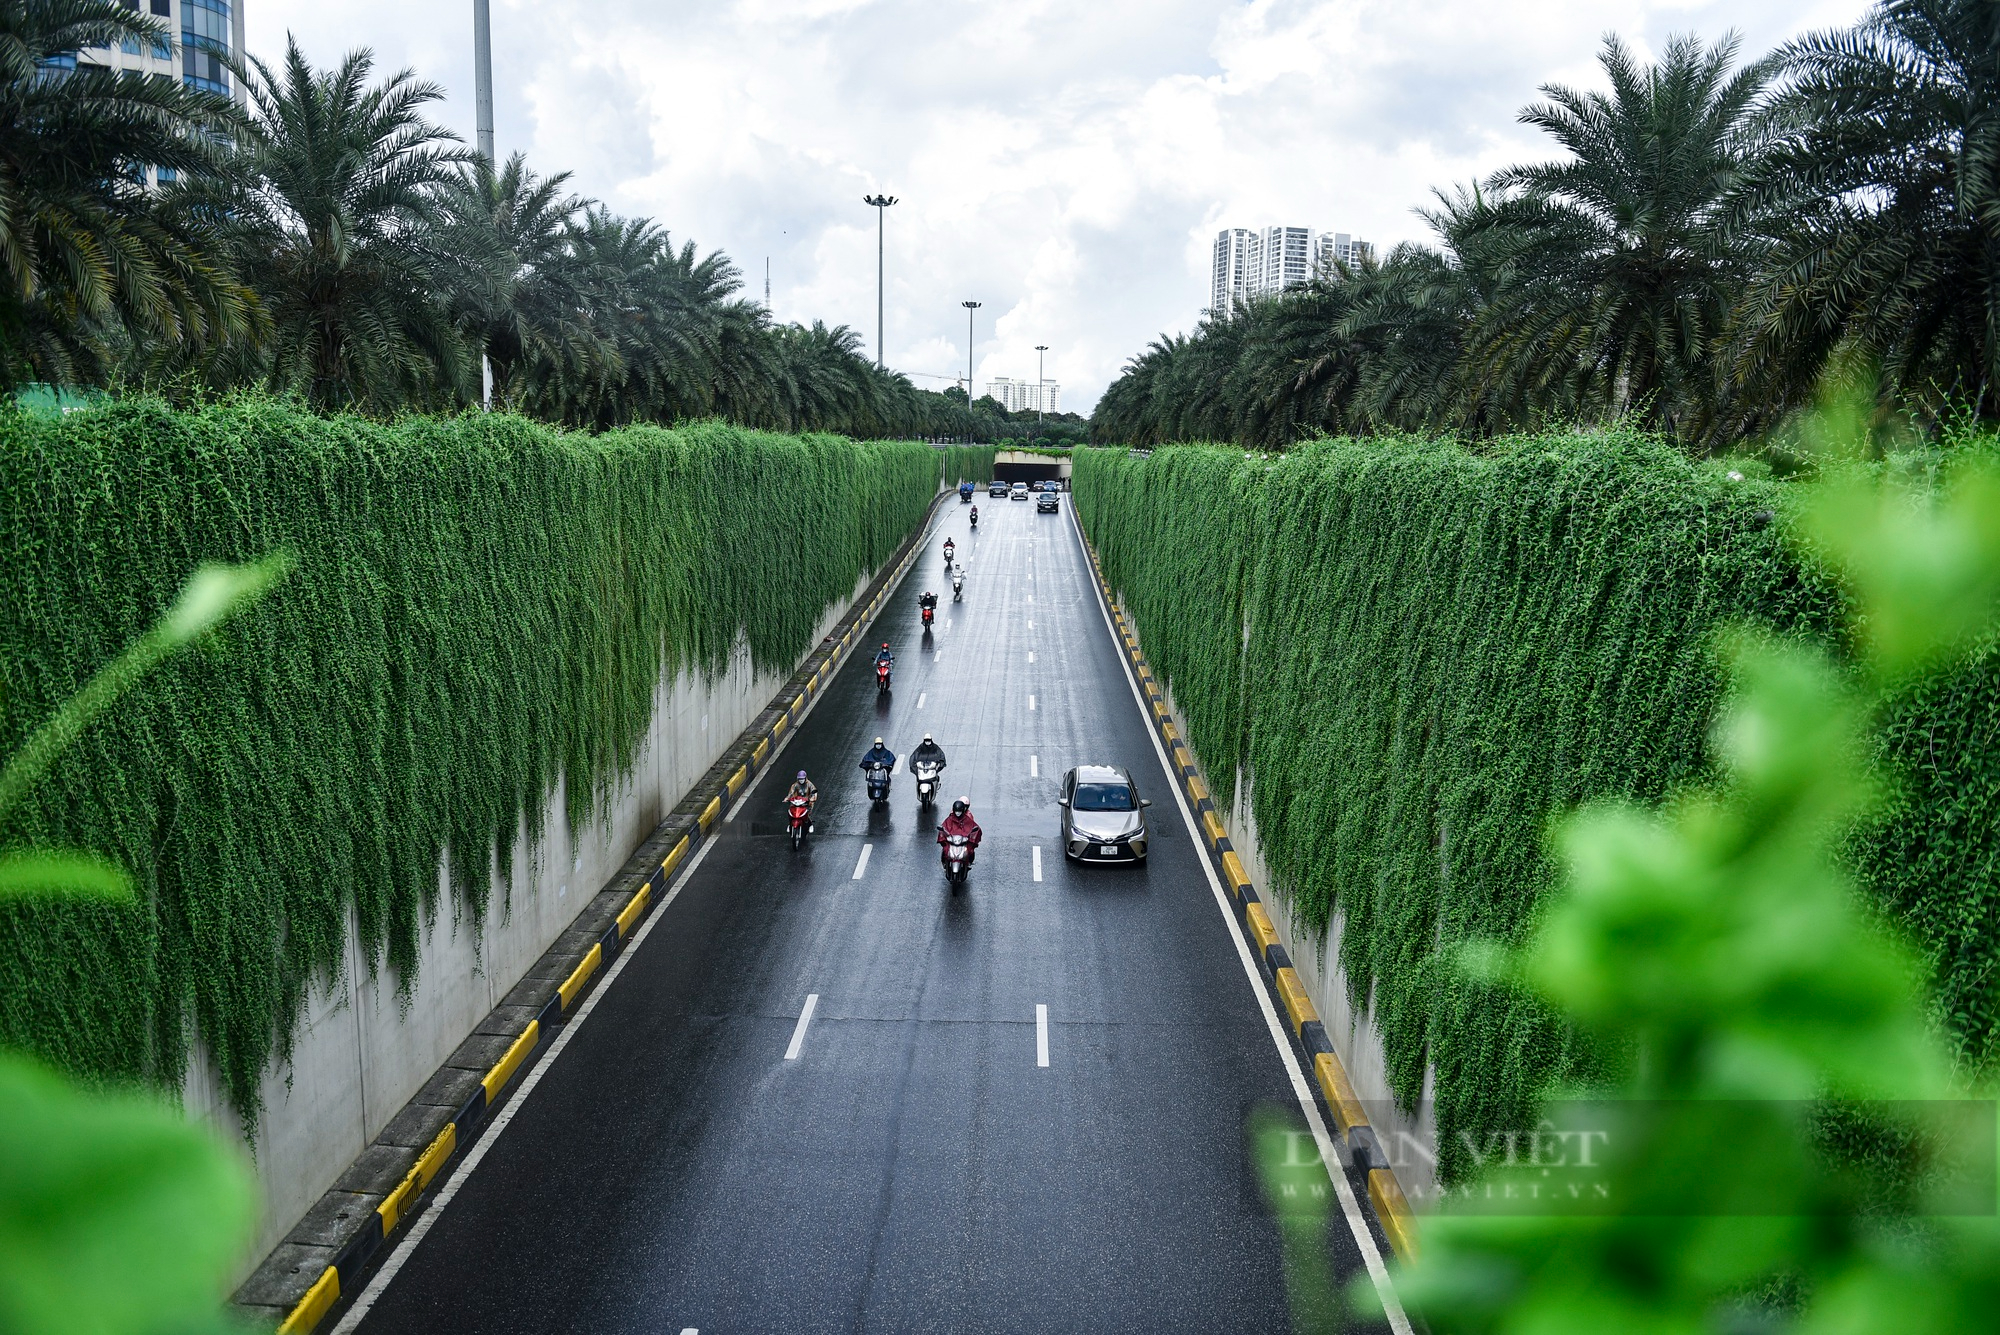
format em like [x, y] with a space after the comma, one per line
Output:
[1107, 850]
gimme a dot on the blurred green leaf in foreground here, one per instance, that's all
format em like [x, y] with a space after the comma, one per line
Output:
[1745, 999]
[118, 1216]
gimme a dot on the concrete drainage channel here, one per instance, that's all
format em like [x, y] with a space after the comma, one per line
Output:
[329, 1254]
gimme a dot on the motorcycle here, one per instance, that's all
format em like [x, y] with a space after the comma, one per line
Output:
[958, 586]
[878, 782]
[975, 516]
[926, 776]
[882, 676]
[948, 550]
[964, 493]
[930, 615]
[957, 858]
[799, 812]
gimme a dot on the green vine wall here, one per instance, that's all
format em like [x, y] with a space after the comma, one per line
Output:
[1417, 656]
[481, 607]
[968, 463]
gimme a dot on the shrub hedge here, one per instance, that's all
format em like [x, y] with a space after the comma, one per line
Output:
[481, 608]
[1416, 656]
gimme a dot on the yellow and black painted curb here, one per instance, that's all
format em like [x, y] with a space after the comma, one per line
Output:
[694, 820]
[1350, 1119]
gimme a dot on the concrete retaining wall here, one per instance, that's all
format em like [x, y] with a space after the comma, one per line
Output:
[361, 1052]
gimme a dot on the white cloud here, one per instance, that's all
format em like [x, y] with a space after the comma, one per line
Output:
[1066, 164]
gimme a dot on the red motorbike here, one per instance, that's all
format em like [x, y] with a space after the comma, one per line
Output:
[956, 857]
[930, 615]
[882, 676]
[799, 812]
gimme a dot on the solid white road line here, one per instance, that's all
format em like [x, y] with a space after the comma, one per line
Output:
[1357, 1224]
[1034, 767]
[1031, 704]
[1038, 862]
[921, 697]
[861, 867]
[799, 1032]
[1041, 1034]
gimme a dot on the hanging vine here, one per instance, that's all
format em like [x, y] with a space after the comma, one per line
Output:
[480, 608]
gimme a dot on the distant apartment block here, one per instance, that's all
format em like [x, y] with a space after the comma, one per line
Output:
[1018, 396]
[1252, 263]
[1332, 248]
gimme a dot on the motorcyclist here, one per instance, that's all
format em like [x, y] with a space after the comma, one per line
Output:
[948, 550]
[975, 516]
[928, 752]
[882, 656]
[927, 601]
[960, 822]
[879, 754]
[806, 788]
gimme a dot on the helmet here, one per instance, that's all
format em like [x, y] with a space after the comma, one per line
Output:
[960, 807]
[802, 775]
[885, 644]
[878, 741]
[927, 737]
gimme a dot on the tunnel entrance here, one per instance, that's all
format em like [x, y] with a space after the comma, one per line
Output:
[1041, 472]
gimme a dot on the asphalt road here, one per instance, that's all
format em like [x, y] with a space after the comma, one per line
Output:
[913, 1167]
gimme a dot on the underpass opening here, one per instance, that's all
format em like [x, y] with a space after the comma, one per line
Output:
[1036, 472]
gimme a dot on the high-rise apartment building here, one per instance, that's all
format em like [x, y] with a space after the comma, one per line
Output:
[208, 32]
[1018, 396]
[1333, 248]
[1259, 263]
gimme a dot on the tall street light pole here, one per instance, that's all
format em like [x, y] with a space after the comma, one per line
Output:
[881, 203]
[482, 81]
[1041, 382]
[482, 76]
[970, 307]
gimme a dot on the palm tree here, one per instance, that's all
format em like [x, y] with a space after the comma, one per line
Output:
[88, 251]
[340, 215]
[525, 299]
[1885, 190]
[668, 314]
[1620, 277]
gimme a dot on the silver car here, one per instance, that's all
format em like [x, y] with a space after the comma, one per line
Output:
[1104, 818]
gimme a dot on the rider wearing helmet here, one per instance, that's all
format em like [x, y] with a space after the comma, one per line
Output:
[928, 752]
[883, 655]
[960, 822]
[927, 600]
[806, 788]
[879, 755]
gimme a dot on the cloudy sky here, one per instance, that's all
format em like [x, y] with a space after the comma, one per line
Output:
[1068, 164]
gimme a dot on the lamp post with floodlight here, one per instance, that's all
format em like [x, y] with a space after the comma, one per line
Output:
[1041, 383]
[881, 203]
[970, 307]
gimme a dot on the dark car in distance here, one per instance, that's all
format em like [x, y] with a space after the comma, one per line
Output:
[1047, 504]
[996, 491]
[1103, 816]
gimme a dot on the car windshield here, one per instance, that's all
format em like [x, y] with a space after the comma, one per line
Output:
[1103, 797]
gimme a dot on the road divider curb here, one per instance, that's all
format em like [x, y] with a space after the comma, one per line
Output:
[1357, 1136]
[299, 1294]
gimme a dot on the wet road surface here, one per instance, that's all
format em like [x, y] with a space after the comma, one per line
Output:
[814, 1097]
